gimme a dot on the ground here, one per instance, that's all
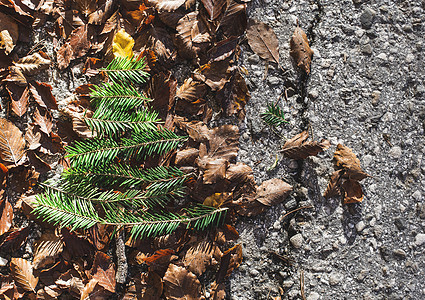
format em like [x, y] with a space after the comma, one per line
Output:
[365, 91]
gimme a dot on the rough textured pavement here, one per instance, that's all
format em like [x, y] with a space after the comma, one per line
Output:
[366, 91]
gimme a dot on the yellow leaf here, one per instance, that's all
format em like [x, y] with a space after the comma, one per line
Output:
[122, 45]
[217, 199]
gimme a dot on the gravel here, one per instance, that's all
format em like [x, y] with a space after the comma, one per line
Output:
[365, 91]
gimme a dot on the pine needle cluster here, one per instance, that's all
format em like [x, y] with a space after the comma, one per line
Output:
[274, 115]
[101, 187]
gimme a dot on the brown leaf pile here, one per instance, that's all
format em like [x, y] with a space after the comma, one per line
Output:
[344, 181]
[202, 35]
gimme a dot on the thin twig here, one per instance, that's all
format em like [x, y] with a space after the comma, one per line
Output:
[302, 285]
[292, 211]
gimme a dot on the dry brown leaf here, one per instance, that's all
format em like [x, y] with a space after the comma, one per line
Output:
[353, 192]
[100, 235]
[234, 20]
[215, 170]
[223, 142]
[180, 284]
[33, 136]
[223, 49]
[186, 157]
[214, 7]
[146, 286]
[103, 270]
[263, 40]
[162, 89]
[334, 186]
[32, 64]
[9, 33]
[102, 13]
[201, 255]
[239, 173]
[218, 291]
[79, 43]
[234, 96]
[168, 5]
[72, 281]
[47, 249]
[191, 90]
[92, 66]
[12, 144]
[6, 210]
[42, 93]
[8, 288]
[214, 74]
[299, 148]
[192, 35]
[23, 179]
[273, 191]
[44, 119]
[231, 259]
[197, 130]
[158, 40]
[347, 160]
[86, 7]
[19, 96]
[300, 50]
[21, 271]
[16, 76]
[15, 239]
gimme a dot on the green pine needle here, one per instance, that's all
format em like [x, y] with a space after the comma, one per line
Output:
[127, 70]
[274, 115]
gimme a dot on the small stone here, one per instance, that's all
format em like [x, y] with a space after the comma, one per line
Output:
[400, 253]
[417, 196]
[366, 18]
[287, 284]
[254, 272]
[253, 58]
[362, 275]
[360, 226]
[395, 152]
[382, 56]
[293, 164]
[420, 239]
[366, 49]
[273, 80]
[367, 160]
[3, 262]
[407, 28]
[313, 296]
[378, 230]
[410, 58]
[291, 204]
[313, 94]
[375, 97]
[400, 224]
[297, 240]
[348, 29]
[334, 278]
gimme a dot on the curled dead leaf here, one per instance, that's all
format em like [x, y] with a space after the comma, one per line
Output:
[347, 160]
[353, 192]
[181, 284]
[273, 191]
[19, 96]
[9, 33]
[299, 148]
[22, 272]
[32, 64]
[300, 50]
[12, 144]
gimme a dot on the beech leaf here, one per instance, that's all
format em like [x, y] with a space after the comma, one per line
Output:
[48, 248]
[214, 7]
[263, 40]
[19, 96]
[42, 93]
[9, 33]
[234, 20]
[299, 148]
[21, 271]
[31, 64]
[44, 119]
[300, 50]
[103, 270]
[6, 211]
[168, 5]
[334, 186]
[180, 284]
[12, 143]
[231, 259]
[347, 160]
[200, 255]
[273, 191]
[122, 45]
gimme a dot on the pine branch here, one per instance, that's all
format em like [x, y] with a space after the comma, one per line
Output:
[127, 70]
[274, 115]
[124, 176]
[115, 95]
[97, 152]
